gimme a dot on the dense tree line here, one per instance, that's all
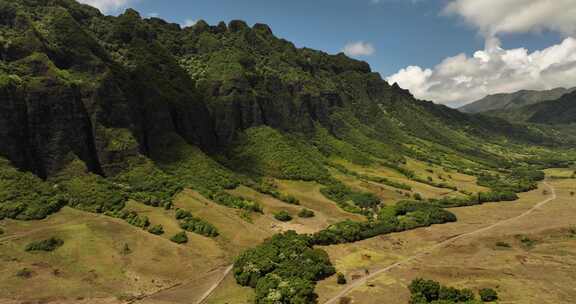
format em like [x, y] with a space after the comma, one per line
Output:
[428, 291]
[191, 223]
[405, 215]
[283, 269]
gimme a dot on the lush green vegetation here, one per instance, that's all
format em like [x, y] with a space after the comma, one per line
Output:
[24, 196]
[93, 193]
[265, 151]
[180, 238]
[350, 200]
[428, 291]
[341, 279]
[47, 245]
[193, 224]
[284, 269]
[405, 215]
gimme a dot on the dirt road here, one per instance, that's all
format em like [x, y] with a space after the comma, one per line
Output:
[364, 280]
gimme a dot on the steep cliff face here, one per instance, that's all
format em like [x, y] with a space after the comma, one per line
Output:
[75, 84]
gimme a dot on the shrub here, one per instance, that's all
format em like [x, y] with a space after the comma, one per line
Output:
[341, 279]
[488, 295]
[1, 231]
[503, 245]
[180, 238]
[47, 245]
[306, 213]
[126, 249]
[231, 201]
[156, 229]
[283, 216]
[428, 289]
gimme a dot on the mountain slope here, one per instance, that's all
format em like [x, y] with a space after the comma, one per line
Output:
[506, 102]
[560, 111]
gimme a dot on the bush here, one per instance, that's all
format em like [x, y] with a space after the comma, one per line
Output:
[180, 238]
[156, 229]
[488, 295]
[231, 201]
[1, 231]
[50, 244]
[429, 291]
[306, 213]
[283, 216]
[341, 279]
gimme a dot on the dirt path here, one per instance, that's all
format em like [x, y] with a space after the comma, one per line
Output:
[215, 285]
[428, 251]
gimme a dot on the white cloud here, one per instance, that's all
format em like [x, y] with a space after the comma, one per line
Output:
[153, 15]
[107, 6]
[189, 22]
[493, 17]
[461, 79]
[359, 48]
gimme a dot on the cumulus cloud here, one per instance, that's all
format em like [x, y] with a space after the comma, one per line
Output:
[461, 79]
[189, 22]
[360, 48]
[106, 6]
[493, 17]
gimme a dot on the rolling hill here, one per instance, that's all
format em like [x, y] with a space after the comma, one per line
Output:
[512, 101]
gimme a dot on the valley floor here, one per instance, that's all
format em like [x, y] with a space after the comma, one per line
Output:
[528, 260]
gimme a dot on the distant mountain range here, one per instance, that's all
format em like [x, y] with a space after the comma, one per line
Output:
[508, 101]
[556, 106]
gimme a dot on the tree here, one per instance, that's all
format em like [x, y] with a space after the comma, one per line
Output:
[126, 249]
[488, 295]
[283, 216]
[50, 244]
[427, 288]
[180, 238]
[341, 279]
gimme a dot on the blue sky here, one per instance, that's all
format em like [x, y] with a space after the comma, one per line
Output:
[448, 51]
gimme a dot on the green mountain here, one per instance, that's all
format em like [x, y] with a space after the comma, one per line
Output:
[509, 102]
[560, 111]
[99, 112]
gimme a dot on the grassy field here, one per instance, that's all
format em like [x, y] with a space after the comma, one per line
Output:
[535, 268]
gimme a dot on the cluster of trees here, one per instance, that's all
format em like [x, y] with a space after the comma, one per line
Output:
[350, 200]
[405, 215]
[232, 201]
[518, 180]
[428, 291]
[50, 244]
[156, 229]
[283, 269]
[131, 217]
[269, 187]
[479, 198]
[388, 182]
[193, 224]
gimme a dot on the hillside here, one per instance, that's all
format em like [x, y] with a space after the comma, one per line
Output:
[560, 111]
[139, 159]
[509, 102]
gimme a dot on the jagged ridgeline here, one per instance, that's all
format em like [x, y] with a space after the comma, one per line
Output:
[142, 108]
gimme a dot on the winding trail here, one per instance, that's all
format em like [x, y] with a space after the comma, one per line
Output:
[209, 292]
[428, 251]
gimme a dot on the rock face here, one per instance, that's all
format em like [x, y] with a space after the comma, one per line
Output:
[75, 84]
